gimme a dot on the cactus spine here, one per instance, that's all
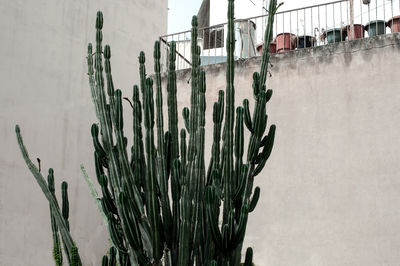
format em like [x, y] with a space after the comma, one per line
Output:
[145, 226]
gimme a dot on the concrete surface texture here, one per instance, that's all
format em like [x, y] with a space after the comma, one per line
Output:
[44, 88]
[330, 192]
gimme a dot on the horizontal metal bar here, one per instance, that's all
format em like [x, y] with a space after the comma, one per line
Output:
[313, 6]
[184, 58]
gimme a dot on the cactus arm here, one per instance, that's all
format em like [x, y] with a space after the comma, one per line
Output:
[183, 153]
[178, 174]
[99, 94]
[221, 103]
[74, 260]
[255, 139]
[112, 257]
[185, 232]
[239, 143]
[132, 230]
[125, 171]
[195, 162]
[65, 202]
[105, 117]
[161, 154]
[107, 198]
[151, 182]
[140, 163]
[186, 115]
[57, 252]
[96, 81]
[142, 74]
[104, 261]
[227, 173]
[184, 228]
[249, 257]
[96, 143]
[167, 257]
[126, 176]
[135, 199]
[238, 196]
[167, 152]
[116, 234]
[254, 199]
[61, 224]
[267, 40]
[225, 235]
[92, 82]
[212, 219]
[247, 116]
[176, 196]
[212, 201]
[258, 124]
[138, 151]
[194, 90]
[172, 102]
[198, 235]
[266, 152]
[218, 113]
[210, 168]
[65, 213]
[194, 98]
[238, 237]
[94, 194]
[189, 180]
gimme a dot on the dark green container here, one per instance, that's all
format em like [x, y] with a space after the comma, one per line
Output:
[376, 27]
[335, 35]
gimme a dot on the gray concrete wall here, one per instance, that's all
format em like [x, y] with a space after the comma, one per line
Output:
[330, 193]
[44, 88]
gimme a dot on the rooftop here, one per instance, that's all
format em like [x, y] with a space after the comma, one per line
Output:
[295, 29]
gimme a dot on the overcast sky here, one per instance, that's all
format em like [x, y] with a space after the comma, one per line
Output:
[181, 11]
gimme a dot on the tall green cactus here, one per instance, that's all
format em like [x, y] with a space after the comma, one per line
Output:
[162, 206]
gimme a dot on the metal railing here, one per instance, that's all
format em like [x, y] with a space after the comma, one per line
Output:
[294, 29]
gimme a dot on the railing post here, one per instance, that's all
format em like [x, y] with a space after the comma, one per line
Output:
[352, 20]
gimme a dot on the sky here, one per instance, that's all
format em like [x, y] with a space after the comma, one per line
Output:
[180, 12]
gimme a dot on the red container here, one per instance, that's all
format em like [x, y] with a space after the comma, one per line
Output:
[358, 32]
[284, 42]
[272, 48]
[394, 24]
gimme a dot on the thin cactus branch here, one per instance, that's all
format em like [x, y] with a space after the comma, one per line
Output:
[57, 251]
[61, 223]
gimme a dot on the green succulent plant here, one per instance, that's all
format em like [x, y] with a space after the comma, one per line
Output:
[161, 205]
